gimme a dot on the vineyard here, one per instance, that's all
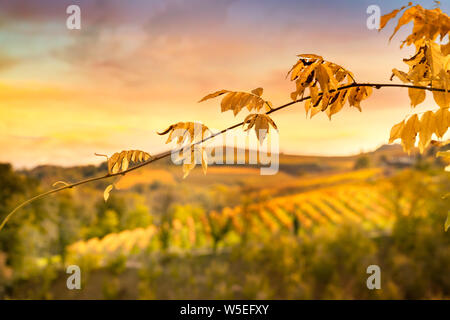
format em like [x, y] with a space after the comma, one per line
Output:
[196, 230]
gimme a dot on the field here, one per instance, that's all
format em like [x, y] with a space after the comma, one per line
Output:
[234, 233]
[333, 206]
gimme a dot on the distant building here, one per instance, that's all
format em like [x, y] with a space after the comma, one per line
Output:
[400, 162]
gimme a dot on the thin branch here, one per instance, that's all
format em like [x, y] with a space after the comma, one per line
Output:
[168, 153]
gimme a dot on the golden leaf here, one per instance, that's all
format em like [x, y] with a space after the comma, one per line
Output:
[409, 133]
[385, 18]
[322, 77]
[190, 160]
[204, 161]
[310, 56]
[120, 161]
[357, 94]
[442, 122]
[435, 59]
[407, 16]
[307, 106]
[401, 75]
[447, 222]
[236, 100]
[337, 103]
[396, 131]
[295, 70]
[314, 93]
[427, 125]
[428, 24]
[189, 132]
[214, 95]
[261, 123]
[311, 71]
[258, 91]
[225, 104]
[417, 96]
[187, 167]
[60, 182]
[107, 192]
[441, 98]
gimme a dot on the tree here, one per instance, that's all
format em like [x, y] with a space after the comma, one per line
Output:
[362, 162]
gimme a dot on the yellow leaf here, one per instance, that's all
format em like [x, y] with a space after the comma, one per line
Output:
[107, 192]
[427, 125]
[442, 99]
[442, 121]
[322, 77]
[417, 96]
[329, 67]
[236, 101]
[225, 104]
[295, 70]
[408, 15]
[125, 164]
[120, 161]
[417, 58]
[213, 95]
[261, 127]
[385, 18]
[187, 167]
[294, 95]
[409, 133]
[337, 104]
[310, 56]
[401, 75]
[261, 123]
[314, 93]
[258, 91]
[307, 75]
[435, 58]
[60, 182]
[396, 131]
[189, 162]
[447, 222]
[307, 106]
[189, 132]
[204, 161]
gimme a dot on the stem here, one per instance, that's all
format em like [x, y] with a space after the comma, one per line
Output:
[167, 153]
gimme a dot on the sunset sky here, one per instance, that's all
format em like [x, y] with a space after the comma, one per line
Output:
[136, 67]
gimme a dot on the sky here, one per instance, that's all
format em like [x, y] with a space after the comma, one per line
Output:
[135, 67]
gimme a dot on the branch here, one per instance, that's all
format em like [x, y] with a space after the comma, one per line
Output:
[167, 153]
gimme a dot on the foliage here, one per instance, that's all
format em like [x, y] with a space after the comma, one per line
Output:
[428, 67]
[236, 101]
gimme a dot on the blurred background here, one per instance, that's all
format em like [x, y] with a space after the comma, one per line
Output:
[341, 201]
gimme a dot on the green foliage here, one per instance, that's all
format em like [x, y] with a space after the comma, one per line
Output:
[362, 162]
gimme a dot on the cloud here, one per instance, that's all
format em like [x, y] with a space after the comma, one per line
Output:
[181, 19]
[7, 61]
[173, 38]
[106, 12]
